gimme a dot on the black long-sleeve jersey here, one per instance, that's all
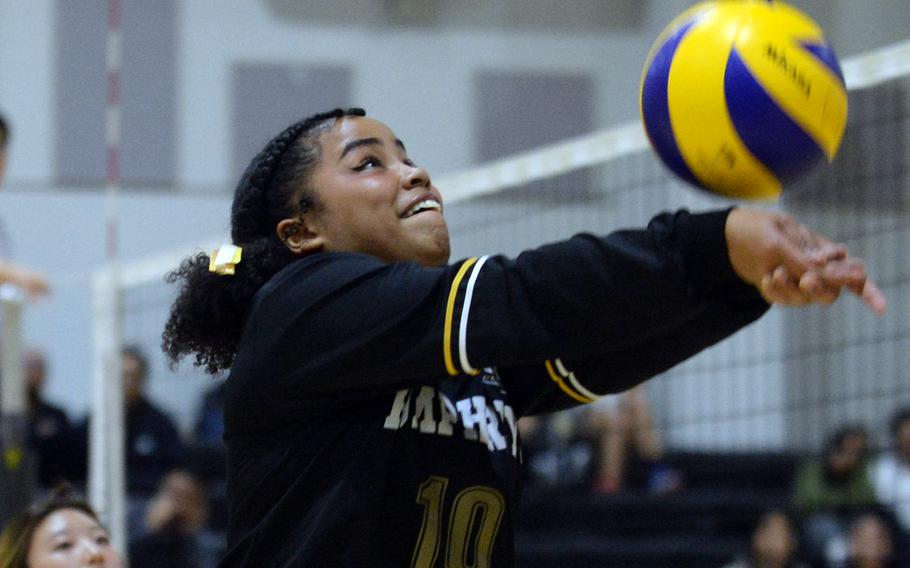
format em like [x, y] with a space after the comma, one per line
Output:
[371, 408]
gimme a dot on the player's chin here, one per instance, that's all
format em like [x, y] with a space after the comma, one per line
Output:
[433, 248]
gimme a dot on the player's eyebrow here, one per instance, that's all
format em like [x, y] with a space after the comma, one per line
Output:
[366, 142]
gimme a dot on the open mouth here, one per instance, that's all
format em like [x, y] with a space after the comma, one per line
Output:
[425, 205]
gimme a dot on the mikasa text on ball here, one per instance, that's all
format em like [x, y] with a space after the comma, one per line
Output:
[741, 97]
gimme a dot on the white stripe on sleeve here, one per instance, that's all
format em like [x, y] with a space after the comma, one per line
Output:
[465, 310]
[571, 376]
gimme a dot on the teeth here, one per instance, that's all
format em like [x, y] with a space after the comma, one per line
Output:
[424, 206]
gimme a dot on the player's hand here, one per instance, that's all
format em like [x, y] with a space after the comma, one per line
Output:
[33, 283]
[162, 512]
[791, 264]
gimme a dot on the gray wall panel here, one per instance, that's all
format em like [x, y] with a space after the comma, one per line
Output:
[148, 92]
[148, 149]
[520, 111]
[269, 97]
[79, 152]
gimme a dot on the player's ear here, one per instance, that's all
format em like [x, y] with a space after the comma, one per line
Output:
[296, 234]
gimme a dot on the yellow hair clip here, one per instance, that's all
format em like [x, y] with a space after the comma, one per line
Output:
[223, 260]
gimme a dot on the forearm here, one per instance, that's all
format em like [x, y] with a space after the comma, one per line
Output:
[594, 295]
[33, 283]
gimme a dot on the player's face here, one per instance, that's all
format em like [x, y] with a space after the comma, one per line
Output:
[774, 541]
[133, 378]
[34, 373]
[903, 440]
[68, 538]
[374, 199]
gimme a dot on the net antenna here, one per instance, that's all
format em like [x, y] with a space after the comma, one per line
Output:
[107, 468]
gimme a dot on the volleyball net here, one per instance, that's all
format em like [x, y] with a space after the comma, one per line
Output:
[783, 383]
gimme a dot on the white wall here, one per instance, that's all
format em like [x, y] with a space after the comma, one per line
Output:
[63, 234]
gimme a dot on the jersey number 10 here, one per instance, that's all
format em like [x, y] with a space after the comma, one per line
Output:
[473, 523]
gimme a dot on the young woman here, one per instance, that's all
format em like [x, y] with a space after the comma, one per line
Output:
[774, 544]
[59, 532]
[374, 388]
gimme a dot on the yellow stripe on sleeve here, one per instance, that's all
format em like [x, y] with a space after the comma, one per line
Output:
[450, 309]
[562, 385]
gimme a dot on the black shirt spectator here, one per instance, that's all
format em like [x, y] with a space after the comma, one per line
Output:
[176, 533]
[152, 441]
[49, 429]
[153, 445]
[210, 418]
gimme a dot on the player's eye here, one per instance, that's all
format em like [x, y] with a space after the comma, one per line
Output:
[368, 163]
[63, 546]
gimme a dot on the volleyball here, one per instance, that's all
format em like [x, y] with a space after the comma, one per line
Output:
[743, 97]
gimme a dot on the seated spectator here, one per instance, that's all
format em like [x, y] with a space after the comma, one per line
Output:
[871, 544]
[152, 441]
[774, 544]
[629, 448]
[607, 445]
[208, 453]
[209, 429]
[830, 490]
[58, 532]
[50, 435]
[175, 533]
[555, 452]
[891, 472]
[153, 444]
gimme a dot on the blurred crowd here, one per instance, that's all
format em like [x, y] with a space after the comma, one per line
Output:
[849, 505]
[175, 483]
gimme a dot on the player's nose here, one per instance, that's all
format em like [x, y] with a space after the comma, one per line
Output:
[415, 177]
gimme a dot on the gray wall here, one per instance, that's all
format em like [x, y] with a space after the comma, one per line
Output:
[147, 93]
[180, 59]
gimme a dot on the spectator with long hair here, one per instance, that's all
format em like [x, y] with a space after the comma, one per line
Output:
[774, 544]
[61, 531]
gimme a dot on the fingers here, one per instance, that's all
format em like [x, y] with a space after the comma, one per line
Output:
[827, 251]
[780, 287]
[34, 284]
[823, 285]
[792, 264]
[873, 297]
[816, 290]
[802, 249]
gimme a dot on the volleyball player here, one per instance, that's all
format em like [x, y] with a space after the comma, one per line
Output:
[31, 282]
[373, 388]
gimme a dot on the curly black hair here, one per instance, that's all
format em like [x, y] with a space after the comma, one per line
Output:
[208, 315]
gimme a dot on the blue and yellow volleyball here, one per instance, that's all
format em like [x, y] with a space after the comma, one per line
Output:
[743, 97]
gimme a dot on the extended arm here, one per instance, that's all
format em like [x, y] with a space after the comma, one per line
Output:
[33, 283]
